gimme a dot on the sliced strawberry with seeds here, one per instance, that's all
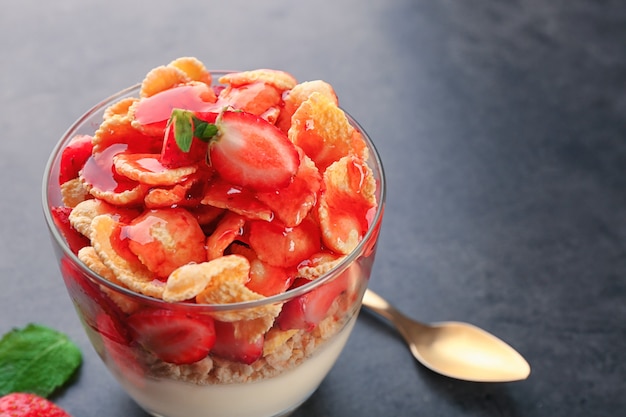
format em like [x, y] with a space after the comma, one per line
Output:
[229, 346]
[117, 347]
[90, 301]
[61, 217]
[22, 404]
[173, 336]
[74, 157]
[251, 152]
[307, 310]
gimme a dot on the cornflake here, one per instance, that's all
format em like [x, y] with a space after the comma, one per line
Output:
[194, 69]
[348, 196]
[186, 282]
[227, 285]
[116, 128]
[279, 79]
[91, 259]
[299, 94]
[119, 108]
[134, 275]
[162, 78]
[172, 196]
[146, 169]
[74, 192]
[82, 215]
[322, 130]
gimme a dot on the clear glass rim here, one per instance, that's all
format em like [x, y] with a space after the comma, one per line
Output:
[283, 297]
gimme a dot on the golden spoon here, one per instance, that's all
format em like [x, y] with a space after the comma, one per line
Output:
[454, 349]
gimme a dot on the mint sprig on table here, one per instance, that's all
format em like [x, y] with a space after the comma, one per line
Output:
[187, 126]
[36, 359]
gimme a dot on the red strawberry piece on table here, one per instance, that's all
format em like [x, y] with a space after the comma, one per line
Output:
[173, 336]
[251, 152]
[238, 349]
[74, 239]
[307, 310]
[21, 404]
[74, 157]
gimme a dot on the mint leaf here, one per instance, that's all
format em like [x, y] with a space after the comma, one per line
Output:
[203, 130]
[183, 128]
[36, 359]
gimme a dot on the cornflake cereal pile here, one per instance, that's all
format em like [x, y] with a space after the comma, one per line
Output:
[214, 195]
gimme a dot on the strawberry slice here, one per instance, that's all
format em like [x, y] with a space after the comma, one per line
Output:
[307, 310]
[22, 404]
[238, 349]
[91, 303]
[61, 217]
[173, 336]
[117, 347]
[74, 157]
[251, 152]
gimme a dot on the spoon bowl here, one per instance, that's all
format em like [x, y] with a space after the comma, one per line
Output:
[454, 349]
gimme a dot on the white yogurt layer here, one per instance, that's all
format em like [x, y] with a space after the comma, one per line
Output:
[263, 398]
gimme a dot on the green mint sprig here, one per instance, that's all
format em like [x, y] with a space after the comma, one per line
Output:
[187, 126]
[36, 359]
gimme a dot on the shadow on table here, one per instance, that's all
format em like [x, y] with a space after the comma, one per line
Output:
[473, 398]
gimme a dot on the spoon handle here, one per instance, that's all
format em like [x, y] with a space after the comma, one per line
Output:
[380, 306]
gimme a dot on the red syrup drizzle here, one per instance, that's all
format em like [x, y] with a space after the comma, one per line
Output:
[146, 162]
[156, 110]
[352, 204]
[120, 243]
[100, 173]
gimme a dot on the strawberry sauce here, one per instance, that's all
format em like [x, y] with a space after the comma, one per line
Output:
[157, 109]
[100, 173]
[147, 162]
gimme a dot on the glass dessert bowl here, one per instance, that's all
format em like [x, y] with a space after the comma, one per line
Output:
[205, 291]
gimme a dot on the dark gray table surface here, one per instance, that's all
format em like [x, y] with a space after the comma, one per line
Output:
[502, 127]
